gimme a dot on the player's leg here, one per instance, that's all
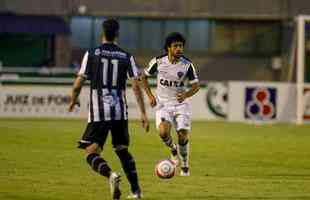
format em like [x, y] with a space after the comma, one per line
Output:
[95, 161]
[183, 127]
[163, 124]
[92, 141]
[120, 141]
[165, 135]
[183, 148]
[129, 167]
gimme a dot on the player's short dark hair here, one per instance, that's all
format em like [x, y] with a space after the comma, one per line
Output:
[110, 29]
[174, 37]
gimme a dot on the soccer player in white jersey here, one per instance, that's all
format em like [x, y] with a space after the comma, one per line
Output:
[173, 72]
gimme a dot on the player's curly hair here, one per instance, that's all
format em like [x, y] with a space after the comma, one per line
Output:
[110, 29]
[174, 37]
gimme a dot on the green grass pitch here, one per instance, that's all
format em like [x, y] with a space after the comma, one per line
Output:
[39, 161]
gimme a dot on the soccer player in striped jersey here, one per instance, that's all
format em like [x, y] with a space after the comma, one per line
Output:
[107, 67]
[173, 71]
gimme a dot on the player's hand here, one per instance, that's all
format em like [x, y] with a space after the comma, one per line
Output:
[181, 97]
[72, 105]
[145, 122]
[152, 100]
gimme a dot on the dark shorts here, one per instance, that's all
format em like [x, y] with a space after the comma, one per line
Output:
[97, 132]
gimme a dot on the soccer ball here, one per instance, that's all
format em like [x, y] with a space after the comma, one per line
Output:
[165, 169]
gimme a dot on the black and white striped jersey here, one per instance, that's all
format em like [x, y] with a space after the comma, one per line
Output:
[108, 67]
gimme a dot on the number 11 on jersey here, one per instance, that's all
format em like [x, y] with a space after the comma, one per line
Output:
[105, 63]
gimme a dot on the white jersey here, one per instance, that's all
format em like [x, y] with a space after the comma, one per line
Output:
[171, 78]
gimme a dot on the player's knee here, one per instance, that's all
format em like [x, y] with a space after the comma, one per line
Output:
[182, 136]
[164, 130]
[165, 125]
[163, 134]
[93, 148]
[120, 148]
[123, 153]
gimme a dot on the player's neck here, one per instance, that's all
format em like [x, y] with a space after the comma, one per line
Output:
[105, 41]
[172, 59]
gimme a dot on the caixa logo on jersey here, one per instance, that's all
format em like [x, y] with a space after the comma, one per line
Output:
[260, 103]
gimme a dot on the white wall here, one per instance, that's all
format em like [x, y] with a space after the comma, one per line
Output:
[234, 101]
[52, 101]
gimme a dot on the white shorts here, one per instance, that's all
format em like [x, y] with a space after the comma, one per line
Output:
[178, 115]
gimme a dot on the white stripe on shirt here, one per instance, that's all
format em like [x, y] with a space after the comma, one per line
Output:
[118, 113]
[95, 105]
[134, 68]
[124, 104]
[193, 81]
[83, 65]
[106, 106]
[151, 65]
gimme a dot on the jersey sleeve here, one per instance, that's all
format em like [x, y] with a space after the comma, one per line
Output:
[152, 68]
[133, 71]
[191, 74]
[85, 67]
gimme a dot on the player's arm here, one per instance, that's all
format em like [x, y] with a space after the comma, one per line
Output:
[140, 100]
[151, 70]
[133, 75]
[193, 81]
[148, 90]
[78, 83]
[76, 90]
[193, 90]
